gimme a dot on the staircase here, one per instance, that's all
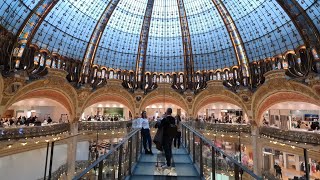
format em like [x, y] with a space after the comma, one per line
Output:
[148, 166]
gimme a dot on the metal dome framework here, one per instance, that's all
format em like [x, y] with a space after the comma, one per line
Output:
[181, 42]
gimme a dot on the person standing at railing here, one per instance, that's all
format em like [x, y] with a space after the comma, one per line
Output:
[145, 132]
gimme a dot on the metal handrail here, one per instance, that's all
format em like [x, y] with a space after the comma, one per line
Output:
[204, 139]
[101, 158]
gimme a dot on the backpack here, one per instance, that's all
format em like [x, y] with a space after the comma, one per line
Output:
[173, 129]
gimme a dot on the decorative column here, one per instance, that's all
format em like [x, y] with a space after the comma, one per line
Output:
[95, 39]
[30, 27]
[187, 47]
[235, 38]
[72, 148]
[257, 150]
[143, 45]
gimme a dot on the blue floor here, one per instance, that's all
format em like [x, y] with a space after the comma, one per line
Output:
[148, 166]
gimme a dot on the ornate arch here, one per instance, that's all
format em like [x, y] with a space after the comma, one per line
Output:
[62, 93]
[209, 96]
[161, 95]
[281, 90]
[109, 94]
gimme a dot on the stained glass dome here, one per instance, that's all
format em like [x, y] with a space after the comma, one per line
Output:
[263, 28]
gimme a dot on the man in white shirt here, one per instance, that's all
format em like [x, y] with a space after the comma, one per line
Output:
[145, 132]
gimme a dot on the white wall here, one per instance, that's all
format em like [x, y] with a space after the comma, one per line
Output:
[30, 165]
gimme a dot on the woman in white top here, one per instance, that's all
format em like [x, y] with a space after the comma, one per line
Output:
[145, 132]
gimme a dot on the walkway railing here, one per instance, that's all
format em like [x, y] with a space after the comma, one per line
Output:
[118, 162]
[213, 163]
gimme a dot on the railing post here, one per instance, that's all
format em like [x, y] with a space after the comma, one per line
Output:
[137, 146]
[51, 157]
[100, 170]
[201, 160]
[213, 162]
[189, 140]
[306, 163]
[130, 155]
[193, 148]
[120, 162]
[236, 172]
[185, 136]
[45, 167]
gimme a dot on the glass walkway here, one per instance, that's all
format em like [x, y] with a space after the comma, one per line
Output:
[198, 158]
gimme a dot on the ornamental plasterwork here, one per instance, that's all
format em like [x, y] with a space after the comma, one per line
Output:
[278, 85]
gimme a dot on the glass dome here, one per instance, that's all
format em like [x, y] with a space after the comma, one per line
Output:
[265, 30]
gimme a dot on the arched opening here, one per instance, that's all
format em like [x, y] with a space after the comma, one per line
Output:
[292, 115]
[156, 110]
[36, 111]
[222, 112]
[106, 111]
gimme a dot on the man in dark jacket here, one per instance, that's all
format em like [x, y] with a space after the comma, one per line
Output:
[167, 137]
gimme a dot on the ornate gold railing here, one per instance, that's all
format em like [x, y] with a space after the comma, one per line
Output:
[293, 136]
[33, 131]
[103, 125]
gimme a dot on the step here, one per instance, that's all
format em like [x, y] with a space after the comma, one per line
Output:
[141, 177]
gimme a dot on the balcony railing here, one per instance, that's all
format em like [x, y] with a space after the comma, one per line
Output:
[33, 131]
[293, 136]
[103, 125]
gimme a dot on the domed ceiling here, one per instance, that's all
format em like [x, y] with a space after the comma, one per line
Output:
[263, 26]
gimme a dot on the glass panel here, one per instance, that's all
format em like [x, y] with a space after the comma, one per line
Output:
[118, 47]
[314, 13]
[68, 27]
[165, 49]
[264, 27]
[211, 45]
[14, 13]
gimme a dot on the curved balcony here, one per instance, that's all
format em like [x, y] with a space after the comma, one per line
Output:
[222, 127]
[54, 129]
[308, 137]
[103, 125]
[33, 131]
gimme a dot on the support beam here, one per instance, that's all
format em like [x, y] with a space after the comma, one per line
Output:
[235, 37]
[32, 24]
[95, 39]
[187, 47]
[29, 16]
[143, 45]
[307, 29]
